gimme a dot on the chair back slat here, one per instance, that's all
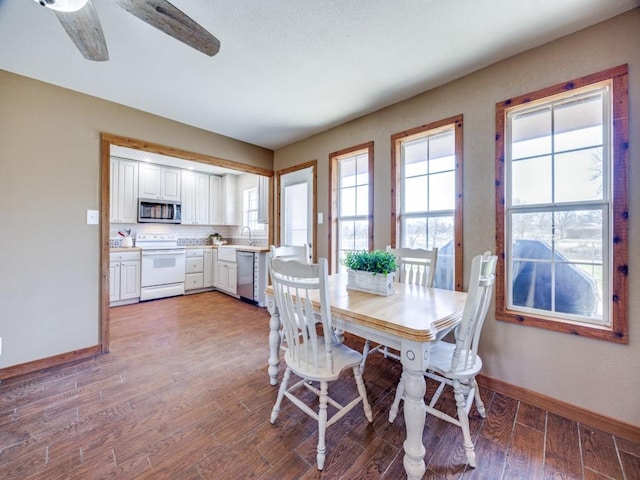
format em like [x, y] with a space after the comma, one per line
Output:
[416, 266]
[479, 297]
[296, 285]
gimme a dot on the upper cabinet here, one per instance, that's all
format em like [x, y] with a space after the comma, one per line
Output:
[215, 204]
[157, 182]
[124, 191]
[195, 198]
[229, 199]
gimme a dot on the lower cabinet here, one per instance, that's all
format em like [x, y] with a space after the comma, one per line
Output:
[226, 277]
[124, 278]
[199, 270]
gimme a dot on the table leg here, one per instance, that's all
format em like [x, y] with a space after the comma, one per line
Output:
[414, 418]
[274, 341]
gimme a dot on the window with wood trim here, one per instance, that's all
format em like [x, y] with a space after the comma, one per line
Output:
[561, 207]
[351, 201]
[426, 165]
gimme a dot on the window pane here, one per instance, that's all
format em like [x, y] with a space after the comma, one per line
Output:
[442, 192]
[442, 164]
[415, 194]
[578, 124]
[415, 157]
[361, 239]
[362, 200]
[531, 134]
[347, 172]
[579, 176]
[441, 146]
[296, 213]
[531, 181]
[580, 235]
[441, 235]
[347, 202]
[528, 230]
[440, 230]
[414, 233]
[362, 172]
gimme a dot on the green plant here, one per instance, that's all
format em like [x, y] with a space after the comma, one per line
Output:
[377, 261]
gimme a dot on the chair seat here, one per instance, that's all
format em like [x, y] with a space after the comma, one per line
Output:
[343, 358]
[440, 362]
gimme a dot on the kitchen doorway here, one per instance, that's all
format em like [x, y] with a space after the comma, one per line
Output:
[106, 141]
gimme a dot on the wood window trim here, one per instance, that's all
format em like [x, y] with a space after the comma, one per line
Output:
[396, 179]
[334, 158]
[618, 330]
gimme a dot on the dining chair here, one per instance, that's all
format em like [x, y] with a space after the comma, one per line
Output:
[457, 364]
[415, 266]
[292, 252]
[314, 358]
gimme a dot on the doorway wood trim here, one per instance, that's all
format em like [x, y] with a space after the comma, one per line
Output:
[313, 164]
[108, 139]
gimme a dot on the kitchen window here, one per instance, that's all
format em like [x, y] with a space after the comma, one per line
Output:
[352, 201]
[561, 207]
[251, 210]
[426, 164]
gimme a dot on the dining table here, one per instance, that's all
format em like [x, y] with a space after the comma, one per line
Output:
[410, 321]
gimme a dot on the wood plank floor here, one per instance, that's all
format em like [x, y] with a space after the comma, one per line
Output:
[184, 395]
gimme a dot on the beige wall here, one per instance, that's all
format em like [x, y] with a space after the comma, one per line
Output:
[49, 177]
[593, 374]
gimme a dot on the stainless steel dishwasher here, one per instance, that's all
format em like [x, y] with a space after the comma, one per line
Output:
[245, 275]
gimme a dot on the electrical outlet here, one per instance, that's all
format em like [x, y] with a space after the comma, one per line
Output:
[92, 217]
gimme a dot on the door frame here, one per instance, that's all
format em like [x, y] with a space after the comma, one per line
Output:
[313, 164]
[108, 139]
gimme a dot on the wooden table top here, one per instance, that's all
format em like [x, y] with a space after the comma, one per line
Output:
[416, 313]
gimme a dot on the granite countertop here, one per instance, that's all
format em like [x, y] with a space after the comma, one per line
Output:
[248, 248]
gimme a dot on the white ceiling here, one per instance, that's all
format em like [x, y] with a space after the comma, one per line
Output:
[288, 69]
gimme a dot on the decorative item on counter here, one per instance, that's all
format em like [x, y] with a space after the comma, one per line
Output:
[127, 241]
[216, 239]
[371, 272]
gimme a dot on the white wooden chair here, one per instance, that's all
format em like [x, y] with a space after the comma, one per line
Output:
[416, 266]
[312, 357]
[292, 252]
[457, 365]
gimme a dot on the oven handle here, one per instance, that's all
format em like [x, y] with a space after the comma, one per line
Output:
[162, 252]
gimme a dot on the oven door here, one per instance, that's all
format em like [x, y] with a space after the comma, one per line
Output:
[162, 267]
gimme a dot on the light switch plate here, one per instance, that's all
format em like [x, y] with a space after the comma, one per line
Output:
[92, 217]
[320, 218]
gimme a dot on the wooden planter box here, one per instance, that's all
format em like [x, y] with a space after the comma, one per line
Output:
[376, 283]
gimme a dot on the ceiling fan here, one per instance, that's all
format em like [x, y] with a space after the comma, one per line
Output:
[80, 20]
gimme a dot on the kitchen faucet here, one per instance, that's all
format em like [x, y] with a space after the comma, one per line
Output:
[249, 230]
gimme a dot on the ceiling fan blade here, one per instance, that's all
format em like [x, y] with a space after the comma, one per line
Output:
[172, 21]
[83, 27]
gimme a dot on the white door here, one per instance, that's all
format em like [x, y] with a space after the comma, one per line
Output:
[297, 207]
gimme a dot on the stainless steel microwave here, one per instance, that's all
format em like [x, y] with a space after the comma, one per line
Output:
[158, 211]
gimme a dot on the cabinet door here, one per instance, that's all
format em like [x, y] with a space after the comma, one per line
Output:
[188, 198]
[232, 280]
[150, 181]
[215, 201]
[230, 199]
[222, 276]
[114, 281]
[170, 186]
[127, 192]
[129, 280]
[209, 268]
[113, 191]
[202, 199]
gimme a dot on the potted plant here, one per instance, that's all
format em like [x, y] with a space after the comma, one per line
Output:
[371, 272]
[216, 239]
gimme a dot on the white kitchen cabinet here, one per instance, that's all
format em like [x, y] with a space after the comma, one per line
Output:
[210, 261]
[229, 199]
[226, 277]
[194, 269]
[215, 200]
[158, 182]
[123, 199]
[124, 278]
[195, 198]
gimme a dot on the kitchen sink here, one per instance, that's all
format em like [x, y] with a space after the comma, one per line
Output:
[227, 254]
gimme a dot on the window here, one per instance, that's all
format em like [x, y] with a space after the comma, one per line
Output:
[561, 207]
[352, 201]
[250, 210]
[427, 168]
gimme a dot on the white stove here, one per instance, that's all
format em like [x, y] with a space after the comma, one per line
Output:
[163, 266]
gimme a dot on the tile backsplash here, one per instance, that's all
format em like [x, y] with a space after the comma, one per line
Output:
[187, 234]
